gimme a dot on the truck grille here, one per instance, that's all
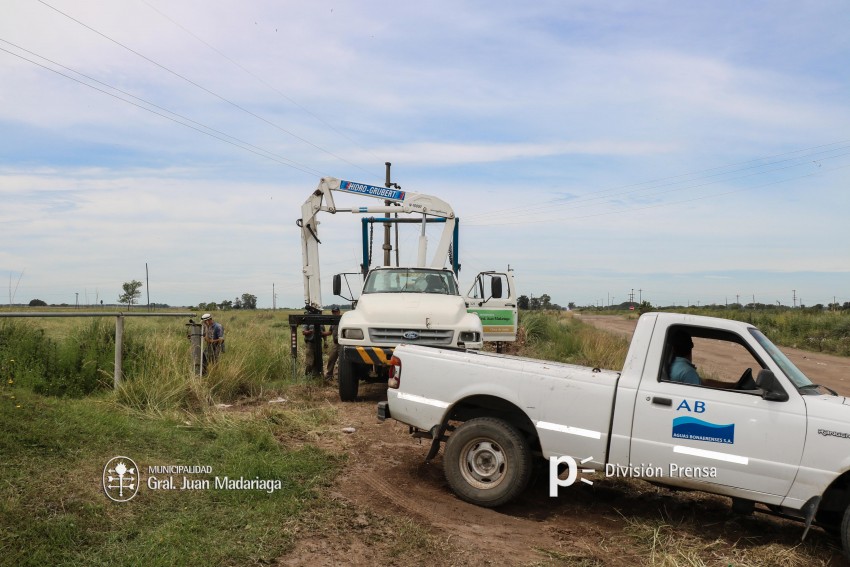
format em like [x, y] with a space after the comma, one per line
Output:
[423, 336]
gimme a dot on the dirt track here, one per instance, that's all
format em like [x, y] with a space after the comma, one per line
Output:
[614, 522]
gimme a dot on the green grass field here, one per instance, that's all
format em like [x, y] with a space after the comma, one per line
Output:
[61, 422]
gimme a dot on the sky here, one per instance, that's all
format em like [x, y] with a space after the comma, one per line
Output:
[674, 152]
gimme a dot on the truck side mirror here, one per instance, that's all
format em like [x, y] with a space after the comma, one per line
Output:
[337, 284]
[771, 388]
[496, 288]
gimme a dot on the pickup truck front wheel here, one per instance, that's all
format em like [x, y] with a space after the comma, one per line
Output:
[487, 462]
[845, 533]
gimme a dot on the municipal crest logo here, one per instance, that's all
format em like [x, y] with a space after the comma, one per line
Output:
[121, 479]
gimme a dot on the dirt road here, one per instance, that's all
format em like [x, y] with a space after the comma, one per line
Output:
[396, 510]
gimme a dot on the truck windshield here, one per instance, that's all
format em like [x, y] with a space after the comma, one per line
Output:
[405, 280]
[792, 372]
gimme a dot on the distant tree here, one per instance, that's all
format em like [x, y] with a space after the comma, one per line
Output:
[522, 302]
[545, 301]
[237, 303]
[132, 291]
[225, 304]
[38, 303]
[249, 301]
[571, 305]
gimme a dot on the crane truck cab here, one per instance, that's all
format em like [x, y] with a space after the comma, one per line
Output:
[421, 304]
[402, 305]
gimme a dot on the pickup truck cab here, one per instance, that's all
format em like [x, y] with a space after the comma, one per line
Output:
[763, 433]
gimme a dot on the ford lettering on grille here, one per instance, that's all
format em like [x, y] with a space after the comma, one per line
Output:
[391, 337]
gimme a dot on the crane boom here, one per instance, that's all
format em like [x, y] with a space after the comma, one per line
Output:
[406, 202]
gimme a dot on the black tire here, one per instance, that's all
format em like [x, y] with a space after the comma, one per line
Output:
[487, 462]
[349, 380]
[845, 533]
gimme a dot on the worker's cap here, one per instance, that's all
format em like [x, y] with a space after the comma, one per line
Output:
[681, 341]
[206, 316]
[335, 309]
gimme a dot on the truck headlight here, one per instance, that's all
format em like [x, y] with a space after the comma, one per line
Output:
[470, 337]
[353, 334]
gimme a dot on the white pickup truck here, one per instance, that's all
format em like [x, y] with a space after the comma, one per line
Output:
[773, 438]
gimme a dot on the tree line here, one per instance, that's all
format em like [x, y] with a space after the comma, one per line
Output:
[540, 302]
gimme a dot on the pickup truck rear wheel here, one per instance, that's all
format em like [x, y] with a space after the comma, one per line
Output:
[845, 533]
[487, 462]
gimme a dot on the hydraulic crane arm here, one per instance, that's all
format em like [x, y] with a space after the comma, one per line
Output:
[402, 202]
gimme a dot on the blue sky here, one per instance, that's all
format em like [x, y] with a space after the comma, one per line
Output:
[693, 152]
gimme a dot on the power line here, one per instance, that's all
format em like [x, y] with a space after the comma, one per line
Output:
[180, 119]
[195, 84]
[656, 184]
[633, 209]
[266, 83]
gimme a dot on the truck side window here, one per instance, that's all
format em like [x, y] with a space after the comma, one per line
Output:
[716, 359]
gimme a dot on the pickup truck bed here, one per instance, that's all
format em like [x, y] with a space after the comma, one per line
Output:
[584, 394]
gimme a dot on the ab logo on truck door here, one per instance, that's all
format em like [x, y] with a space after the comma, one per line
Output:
[699, 407]
[688, 427]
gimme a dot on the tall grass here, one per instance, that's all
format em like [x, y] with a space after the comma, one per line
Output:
[560, 337]
[256, 359]
[67, 358]
[76, 365]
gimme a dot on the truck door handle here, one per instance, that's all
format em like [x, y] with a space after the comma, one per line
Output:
[662, 401]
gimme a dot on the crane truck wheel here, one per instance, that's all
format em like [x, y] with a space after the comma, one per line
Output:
[845, 533]
[487, 462]
[349, 380]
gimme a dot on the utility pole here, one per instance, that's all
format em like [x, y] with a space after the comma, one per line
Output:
[77, 303]
[274, 298]
[387, 228]
[794, 291]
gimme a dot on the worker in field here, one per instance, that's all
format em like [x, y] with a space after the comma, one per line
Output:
[333, 353]
[314, 335]
[213, 334]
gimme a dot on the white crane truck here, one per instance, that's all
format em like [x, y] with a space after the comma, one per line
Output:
[779, 440]
[418, 304]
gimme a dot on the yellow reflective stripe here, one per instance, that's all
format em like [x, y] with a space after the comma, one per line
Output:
[381, 356]
[364, 355]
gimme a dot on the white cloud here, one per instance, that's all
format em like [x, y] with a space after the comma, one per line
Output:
[548, 115]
